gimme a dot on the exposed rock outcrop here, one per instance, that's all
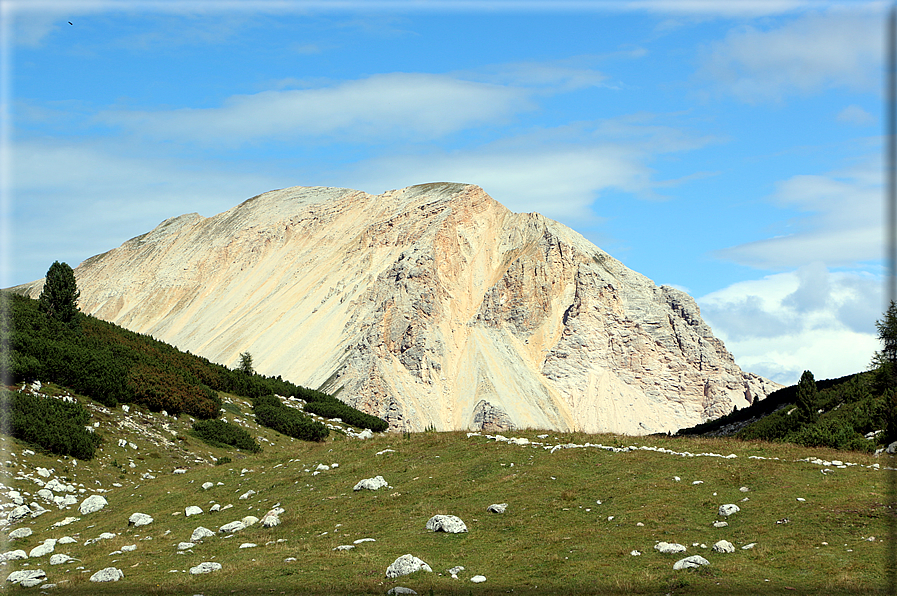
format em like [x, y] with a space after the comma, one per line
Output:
[430, 306]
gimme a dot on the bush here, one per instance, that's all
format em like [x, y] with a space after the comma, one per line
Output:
[270, 412]
[51, 424]
[219, 433]
[347, 414]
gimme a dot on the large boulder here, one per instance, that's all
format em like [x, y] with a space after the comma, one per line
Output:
[200, 533]
[406, 565]
[192, 510]
[234, 526]
[692, 561]
[206, 567]
[446, 523]
[109, 574]
[728, 509]
[724, 546]
[139, 519]
[92, 504]
[20, 533]
[48, 546]
[669, 548]
[27, 578]
[371, 483]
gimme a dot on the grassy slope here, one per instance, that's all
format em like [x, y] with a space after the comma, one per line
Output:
[546, 542]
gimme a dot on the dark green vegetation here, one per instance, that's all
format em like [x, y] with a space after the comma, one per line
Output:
[835, 413]
[219, 433]
[51, 424]
[59, 298]
[113, 365]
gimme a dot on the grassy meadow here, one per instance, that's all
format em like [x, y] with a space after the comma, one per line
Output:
[554, 537]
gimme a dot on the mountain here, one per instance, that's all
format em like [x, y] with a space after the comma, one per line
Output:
[430, 306]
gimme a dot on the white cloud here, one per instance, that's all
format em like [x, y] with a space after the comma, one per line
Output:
[808, 319]
[841, 223]
[816, 51]
[854, 114]
[384, 106]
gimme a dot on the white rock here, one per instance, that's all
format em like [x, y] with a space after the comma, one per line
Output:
[248, 545]
[185, 545]
[109, 574]
[669, 548]
[18, 513]
[207, 485]
[48, 546]
[45, 473]
[752, 545]
[129, 548]
[635, 553]
[399, 589]
[322, 467]
[206, 567]
[214, 508]
[92, 504]
[200, 533]
[270, 519]
[497, 507]
[344, 547]
[405, 565]
[692, 561]
[234, 526]
[179, 471]
[59, 559]
[371, 483]
[728, 509]
[27, 578]
[20, 533]
[13, 555]
[192, 510]
[724, 546]
[478, 579]
[446, 523]
[66, 540]
[139, 519]
[720, 524]
[249, 520]
[247, 494]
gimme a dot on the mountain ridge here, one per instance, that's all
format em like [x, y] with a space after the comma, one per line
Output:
[430, 306]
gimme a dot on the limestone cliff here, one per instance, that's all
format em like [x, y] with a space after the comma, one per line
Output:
[432, 305]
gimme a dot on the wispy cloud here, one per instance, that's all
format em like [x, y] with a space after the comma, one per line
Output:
[812, 52]
[807, 319]
[840, 223]
[854, 114]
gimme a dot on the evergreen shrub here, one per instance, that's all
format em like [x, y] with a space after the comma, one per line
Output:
[219, 433]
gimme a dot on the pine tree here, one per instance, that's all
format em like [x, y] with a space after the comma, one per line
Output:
[806, 398]
[246, 363]
[59, 298]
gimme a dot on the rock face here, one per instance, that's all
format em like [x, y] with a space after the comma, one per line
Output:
[430, 306]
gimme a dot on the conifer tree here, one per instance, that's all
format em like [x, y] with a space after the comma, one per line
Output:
[59, 298]
[806, 398]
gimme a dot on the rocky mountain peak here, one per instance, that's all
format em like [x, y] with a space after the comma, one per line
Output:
[432, 305]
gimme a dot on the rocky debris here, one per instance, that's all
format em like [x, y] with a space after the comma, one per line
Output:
[692, 561]
[400, 590]
[728, 509]
[454, 571]
[101, 537]
[192, 510]
[20, 533]
[446, 523]
[92, 504]
[139, 519]
[19, 513]
[27, 578]
[109, 574]
[669, 548]
[205, 567]
[344, 547]
[200, 533]
[724, 546]
[406, 565]
[497, 507]
[374, 483]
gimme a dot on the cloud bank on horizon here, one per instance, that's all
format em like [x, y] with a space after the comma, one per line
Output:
[731, 149]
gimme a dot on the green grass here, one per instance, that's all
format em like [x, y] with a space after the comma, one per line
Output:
[553, 539]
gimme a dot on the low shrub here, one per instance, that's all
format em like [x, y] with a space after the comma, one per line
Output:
[347, 414]
[270, 412]
[51, 424]
[219, 433]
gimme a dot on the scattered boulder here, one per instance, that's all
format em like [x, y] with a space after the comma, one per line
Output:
[59, 559]
[669, 548]
[13, 555]
[446, 523]
[724, 546]
[248, 545]
[406, 565]
[92, 504]
[185, 545]
[20, 512]
[271, 519]
[234, 526]
[200, 533]
[20, 533]
[497, 507]
[478, 579]
[192, 510]
[27, 578]
[48, 546]
[139, 519]
[249, 520]
[728, 509]
[399, 589]
[206, 567]
[109, 574]
[371, 483]
[345, 547]
[207, 485]
[692, 561]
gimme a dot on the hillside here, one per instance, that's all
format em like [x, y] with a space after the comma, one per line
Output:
[585, 513]
[432, 306]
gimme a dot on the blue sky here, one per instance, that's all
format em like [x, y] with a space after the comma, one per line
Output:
[731, 149]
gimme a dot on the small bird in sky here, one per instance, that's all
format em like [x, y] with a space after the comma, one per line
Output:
[70, 22]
